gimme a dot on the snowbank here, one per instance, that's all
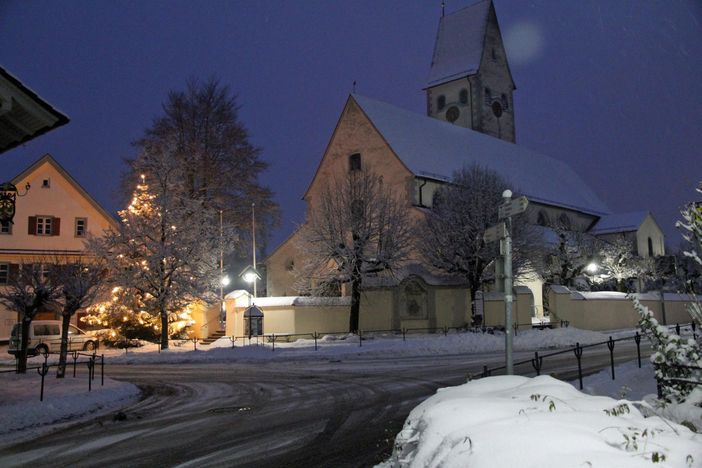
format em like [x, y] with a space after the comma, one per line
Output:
[510, 421]
[68, 399]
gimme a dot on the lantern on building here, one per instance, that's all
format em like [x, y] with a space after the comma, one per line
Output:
[8, 196]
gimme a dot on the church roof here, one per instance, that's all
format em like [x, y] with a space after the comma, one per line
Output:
[459, 43]
[434, 149]
[619, 222]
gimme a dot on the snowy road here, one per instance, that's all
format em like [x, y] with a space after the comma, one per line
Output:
[291, 413]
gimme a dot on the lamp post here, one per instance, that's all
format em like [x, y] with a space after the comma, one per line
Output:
[253, 237]
[223, 280]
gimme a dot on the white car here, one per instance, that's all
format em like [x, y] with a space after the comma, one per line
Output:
[45, 337]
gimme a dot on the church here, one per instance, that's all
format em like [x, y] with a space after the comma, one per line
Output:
[470, 119]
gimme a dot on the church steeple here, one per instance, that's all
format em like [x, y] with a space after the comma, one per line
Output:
[470, 83]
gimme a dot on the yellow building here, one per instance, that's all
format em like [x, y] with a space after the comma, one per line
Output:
[51, 222]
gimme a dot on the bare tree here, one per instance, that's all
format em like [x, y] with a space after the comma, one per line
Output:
[358, 229]
[201, 131]
[166, 249]
[452, 235]
[28, 291]
[78, 282]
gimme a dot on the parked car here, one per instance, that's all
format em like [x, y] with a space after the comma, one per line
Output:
[45, 337]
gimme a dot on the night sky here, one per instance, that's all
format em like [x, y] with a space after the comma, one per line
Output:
[612, 88]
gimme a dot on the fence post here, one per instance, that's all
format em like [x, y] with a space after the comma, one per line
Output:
[43, 371]
[694, 329]
[516, 327]
[677, 329]
[404, 332]
[537, 362]
[360, 338]
[315, 341]
[91, 365]
[194, 344]
[445, 331]
[273, 338]
[486, 372]
[610, 345]
[637, 339]
[75, 358]
[102, 370]
[578, 350]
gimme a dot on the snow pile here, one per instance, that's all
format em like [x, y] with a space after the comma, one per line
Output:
[510, 421]
[24, 416]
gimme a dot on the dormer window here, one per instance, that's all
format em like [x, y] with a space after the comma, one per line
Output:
[463, 96]
[355, 162]
[441, 102]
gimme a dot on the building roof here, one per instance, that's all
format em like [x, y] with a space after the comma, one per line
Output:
[434, 149]
[459, 44]
[47, 158]
[619, 222]
[23, 114]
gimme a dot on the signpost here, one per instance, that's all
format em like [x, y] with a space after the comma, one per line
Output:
[501, 232]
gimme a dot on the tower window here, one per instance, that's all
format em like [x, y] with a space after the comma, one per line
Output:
[564, 221]
[355, 162]
[493, 55]
[463, 96]
[505, 102]
[441, 102]
[488, 97]
[542, 219]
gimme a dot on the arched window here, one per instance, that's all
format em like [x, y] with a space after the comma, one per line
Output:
[355, 162]
[463, 96]
[488, 97]
[564, 221]
[441, 102]
[650, 247]
[542, 219]
[505, 102]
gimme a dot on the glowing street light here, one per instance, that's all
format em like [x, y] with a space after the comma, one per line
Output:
[592, 268]
[225, 280]
[250, 275]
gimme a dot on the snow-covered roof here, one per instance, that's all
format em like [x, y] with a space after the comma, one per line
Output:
[433, 148]
[459, 44]
[619, 222]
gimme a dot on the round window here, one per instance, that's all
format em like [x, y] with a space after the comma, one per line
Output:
[452, 114]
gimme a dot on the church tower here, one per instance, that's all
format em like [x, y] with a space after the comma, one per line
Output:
[469, 82]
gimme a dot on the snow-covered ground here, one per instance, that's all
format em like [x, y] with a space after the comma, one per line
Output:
[505, 403]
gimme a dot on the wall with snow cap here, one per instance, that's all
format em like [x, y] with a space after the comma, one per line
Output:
[522, 308]
[609, 310]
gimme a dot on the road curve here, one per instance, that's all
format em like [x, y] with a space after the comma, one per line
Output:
[307, 413]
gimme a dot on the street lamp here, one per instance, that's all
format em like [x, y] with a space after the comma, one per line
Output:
[592, 268]
[250, 275]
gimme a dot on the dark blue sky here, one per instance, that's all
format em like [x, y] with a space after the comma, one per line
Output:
[612, 88]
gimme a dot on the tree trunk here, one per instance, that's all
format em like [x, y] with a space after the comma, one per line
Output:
[65, 321]
[355, 304]
[473, 317]
[24, 341]
[164, 329]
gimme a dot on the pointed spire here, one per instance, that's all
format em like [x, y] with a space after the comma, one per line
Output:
[353, 87]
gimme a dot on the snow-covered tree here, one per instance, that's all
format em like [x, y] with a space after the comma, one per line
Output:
[691, 227]
[218, 166]
[619, 263]
[358, 229]
[452, 233]
[566, 259]
[28, 290]
[78, 282]
[166, 250]
[676, 359]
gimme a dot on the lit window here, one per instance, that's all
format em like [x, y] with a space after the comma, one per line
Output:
[81, 227]
[4, 272]
[5, 227]
[44, 225]
[355, 162]
[441, 102]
